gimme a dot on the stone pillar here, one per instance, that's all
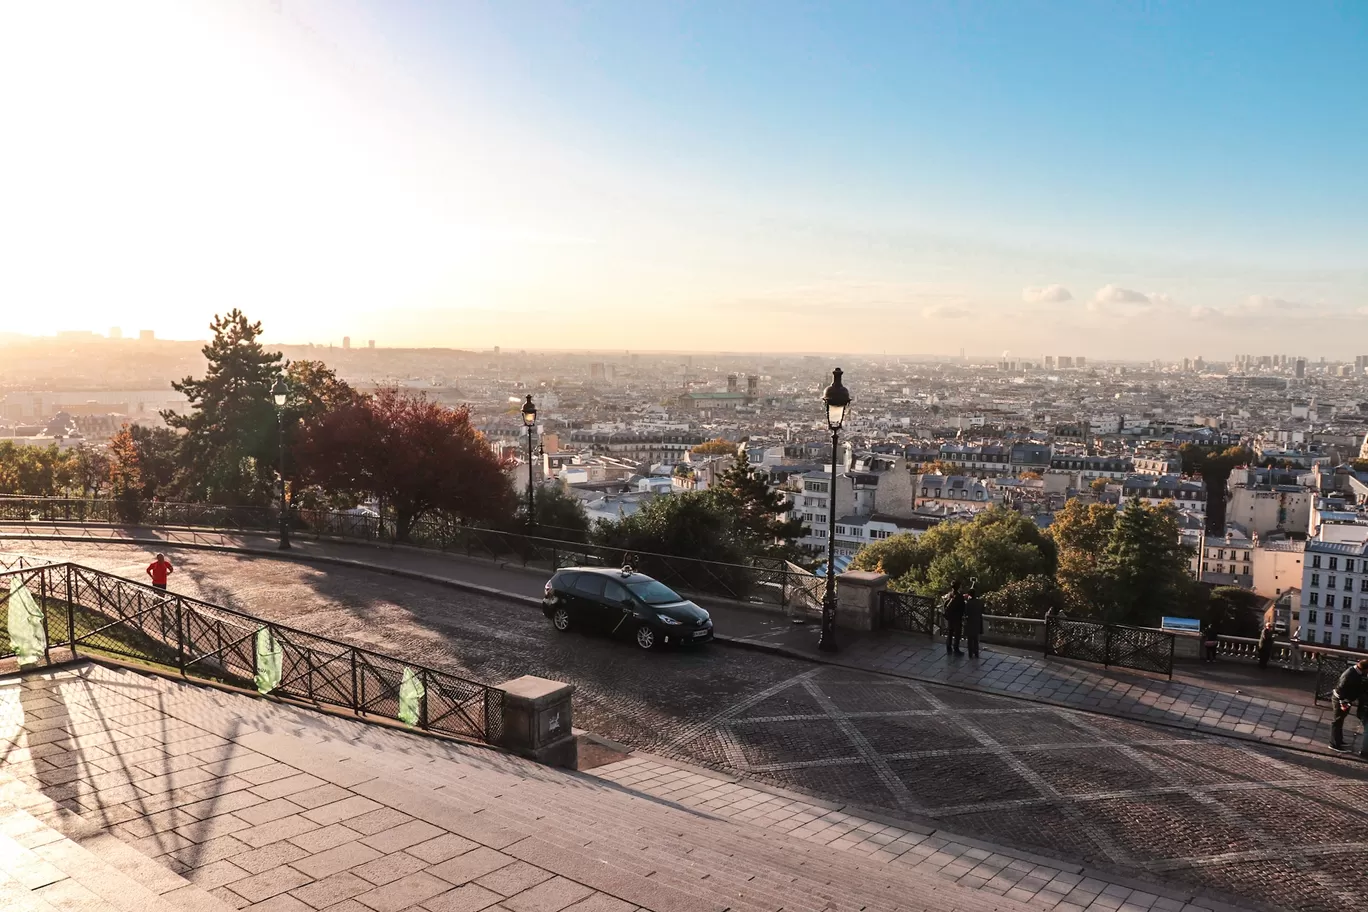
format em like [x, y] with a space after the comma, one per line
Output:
[857, 599]
[537, 720]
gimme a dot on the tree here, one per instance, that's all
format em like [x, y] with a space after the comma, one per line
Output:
[1122, 566]
[1030, 475]
[230, 436]
[755, 511]
[996, 547]
[91, 470]
[1031, 596]
[125, 476]
[559, 514]
[414, 455]
[715, 447]
[1234, 611]
[687, 525]
[1214, 465]
[158, 452]
[35, 471]
[1099, 485]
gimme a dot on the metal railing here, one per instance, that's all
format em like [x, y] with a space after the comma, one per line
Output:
[763, 581]
[89, 610]
[1014, 631]
[909, 612]
[1140, 648]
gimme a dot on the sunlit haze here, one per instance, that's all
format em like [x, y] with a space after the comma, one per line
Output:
[1134, 180]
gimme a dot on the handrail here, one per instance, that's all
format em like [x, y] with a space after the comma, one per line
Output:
[134, 619]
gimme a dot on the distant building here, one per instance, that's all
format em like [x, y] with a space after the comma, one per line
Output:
[1334, 602]
[1188, 494]
[370, 343]
[346, 343]
[1161, 464]
[1300, 369]
[147, 335]
[116, 332]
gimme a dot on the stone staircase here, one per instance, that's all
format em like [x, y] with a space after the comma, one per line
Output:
[52, 860]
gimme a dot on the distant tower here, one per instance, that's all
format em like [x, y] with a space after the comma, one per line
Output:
[752, 386]
[370, 343]
[116, 332]
[146, 335]
[346, 343]
[731, 383]
[1301, 368]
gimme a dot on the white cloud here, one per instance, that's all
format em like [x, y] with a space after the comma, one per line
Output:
[946, 312]
[1049, 294]
[1115, 294]
[1202, 312]
[1268, 302]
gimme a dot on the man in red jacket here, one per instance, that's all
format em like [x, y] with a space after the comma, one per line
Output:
[159, 570]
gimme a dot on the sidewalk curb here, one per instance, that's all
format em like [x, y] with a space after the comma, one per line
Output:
[733, 642]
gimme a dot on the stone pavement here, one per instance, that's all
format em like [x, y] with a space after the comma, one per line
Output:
[274, 808]
[1243, 703]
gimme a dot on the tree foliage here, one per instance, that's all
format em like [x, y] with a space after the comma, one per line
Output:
[998, 546]
[1122, 566]
[35, 471]
[1214, 465]
[1234, 611]
[91, 470]
[125, 475]
[414, 455]
[559, 514]
[229, 445]
[755, 512]
[1031, 596]
[715, 447]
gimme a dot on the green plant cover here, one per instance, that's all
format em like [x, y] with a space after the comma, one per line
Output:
[267, 661]
[26, 632]
[411, 692]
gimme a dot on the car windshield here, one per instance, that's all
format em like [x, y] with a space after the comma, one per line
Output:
[653, 593]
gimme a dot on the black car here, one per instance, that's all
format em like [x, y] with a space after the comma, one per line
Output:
[622, 602]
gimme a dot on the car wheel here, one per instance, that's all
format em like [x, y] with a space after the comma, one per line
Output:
[646, 637]
[560, 619]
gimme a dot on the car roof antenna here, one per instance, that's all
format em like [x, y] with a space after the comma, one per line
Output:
[627, 569]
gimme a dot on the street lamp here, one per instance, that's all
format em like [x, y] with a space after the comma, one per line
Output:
[837, 401]
[280, 392]
[529, 415]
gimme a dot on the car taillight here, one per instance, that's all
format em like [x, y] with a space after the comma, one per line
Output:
[548, 588]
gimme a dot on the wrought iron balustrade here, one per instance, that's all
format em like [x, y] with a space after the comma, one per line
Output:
[1139, 648]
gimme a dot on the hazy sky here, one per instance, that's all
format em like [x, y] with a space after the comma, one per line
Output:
[1112, 179]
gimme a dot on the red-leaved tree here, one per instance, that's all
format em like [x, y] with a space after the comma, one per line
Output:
[414, 455]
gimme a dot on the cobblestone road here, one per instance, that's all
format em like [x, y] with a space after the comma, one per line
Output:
[1276, 826]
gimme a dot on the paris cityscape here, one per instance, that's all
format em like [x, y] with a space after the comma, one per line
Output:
[547, 456]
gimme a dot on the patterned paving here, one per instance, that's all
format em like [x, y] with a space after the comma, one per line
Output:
[1272, 825]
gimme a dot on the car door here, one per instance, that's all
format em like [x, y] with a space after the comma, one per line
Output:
[589, 608]
[617, 606]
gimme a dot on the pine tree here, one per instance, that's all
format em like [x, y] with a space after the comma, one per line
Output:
[229, 443]
[755, 511]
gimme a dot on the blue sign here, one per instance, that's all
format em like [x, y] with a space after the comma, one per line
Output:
[1188, 624]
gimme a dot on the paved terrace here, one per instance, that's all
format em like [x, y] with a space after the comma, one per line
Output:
[270, 807]
[1175, 804]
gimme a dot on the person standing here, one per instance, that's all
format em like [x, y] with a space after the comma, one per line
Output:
[973, 620]
[1266, 644]
[1348, 690]
[1210, 640]
[159, 570]
[954, 619]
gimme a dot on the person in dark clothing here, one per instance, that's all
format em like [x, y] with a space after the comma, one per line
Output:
[1210, 640]
[1266, 644]
[973, 620]
[1348, 690]
[954, 619]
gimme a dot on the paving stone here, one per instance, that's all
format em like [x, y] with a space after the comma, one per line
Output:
[403, 893]
[401, 837]
[389, 868]
[269, 856]
[267, 811]
[472, 898]
[551, 896]
[288, 786]
[339, 858]
[513, 879]
[471, 865]
[601, 902]
[448, 845]
[339, 811]
[263, 886]
[332, 889]
[276, 830]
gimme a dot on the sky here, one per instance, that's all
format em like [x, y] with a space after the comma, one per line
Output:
[1119, 180]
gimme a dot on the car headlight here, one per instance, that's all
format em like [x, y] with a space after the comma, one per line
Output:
[669, 620]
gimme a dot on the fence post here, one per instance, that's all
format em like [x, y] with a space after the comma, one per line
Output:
[1106, 645]
[356, 694]
[423, 708]
[1172, 638]
[42, 603]
[71, 610]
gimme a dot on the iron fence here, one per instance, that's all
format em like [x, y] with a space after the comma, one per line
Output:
[905, 611]
[89, 610]
[1139, 648]
[1329, 666]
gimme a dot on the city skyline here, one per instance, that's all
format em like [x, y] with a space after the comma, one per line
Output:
[552, 177]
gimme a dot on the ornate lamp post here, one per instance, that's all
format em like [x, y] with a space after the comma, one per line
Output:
[529, 416]
[281, 392]
[837, 400]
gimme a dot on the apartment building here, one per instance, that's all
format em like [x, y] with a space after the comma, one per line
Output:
[1334, 597]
